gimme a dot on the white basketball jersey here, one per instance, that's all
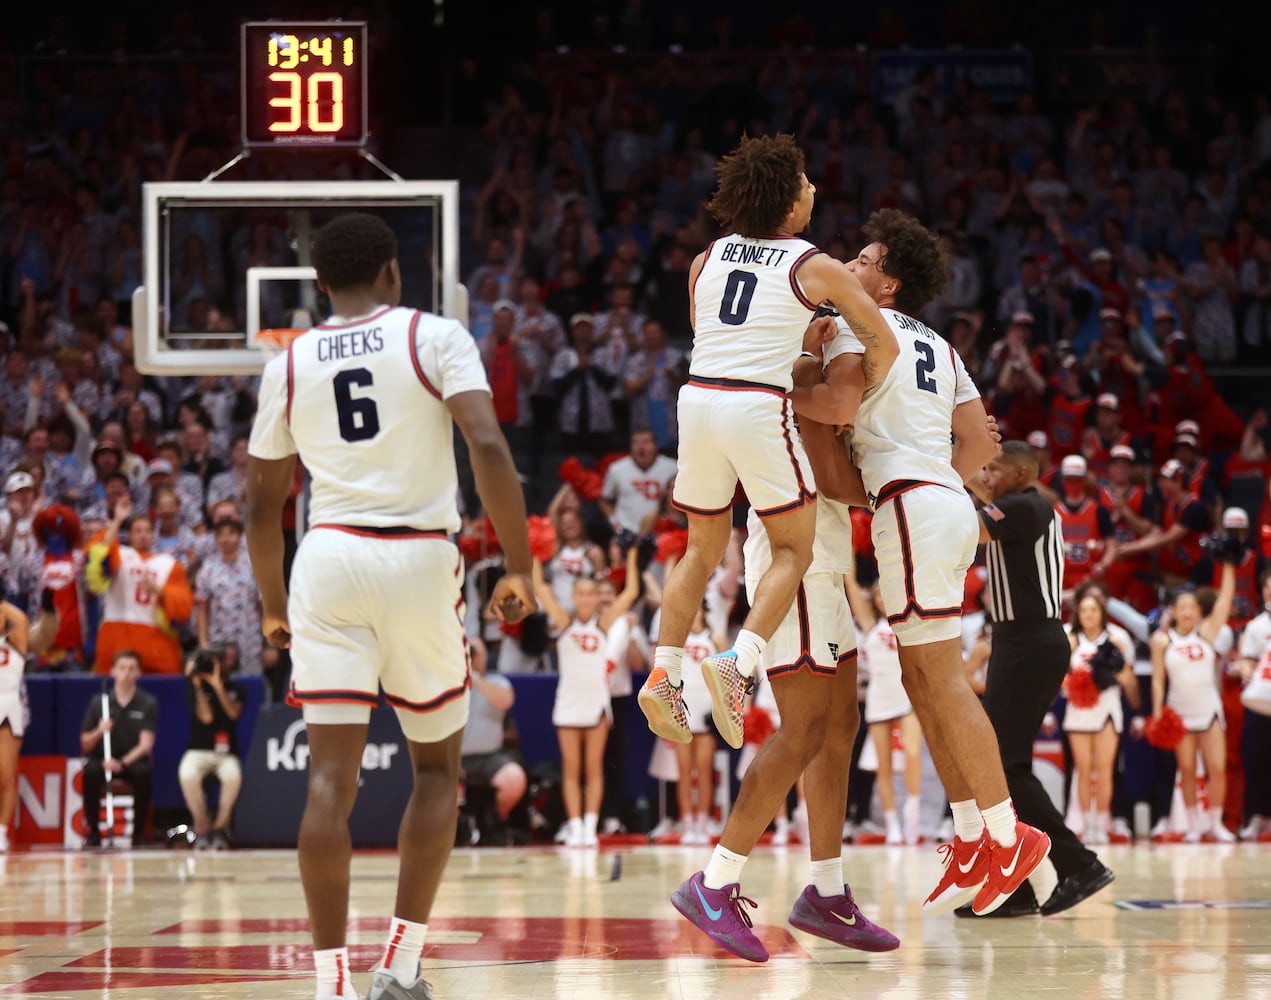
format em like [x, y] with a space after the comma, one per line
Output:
[362, 404]
[832, 549]
[749, 313]
[128, 600]
[904, 427]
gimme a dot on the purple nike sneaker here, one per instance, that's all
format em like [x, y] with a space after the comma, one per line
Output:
[839, 919]
[719, 915]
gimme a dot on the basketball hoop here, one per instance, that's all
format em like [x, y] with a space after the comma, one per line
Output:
[273, 342]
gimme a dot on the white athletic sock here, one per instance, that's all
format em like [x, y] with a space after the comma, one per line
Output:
[332, 967]
[1215, 817]
[1105, 822]
[891, 821]
[1001, 820]
[724, 868]
[405, 945]
[968, 825]
[827, 876]
[699, 822]
[670, 659]
[590, 822]
[748, 647]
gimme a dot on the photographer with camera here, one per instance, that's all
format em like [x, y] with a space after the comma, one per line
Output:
[1231, 544]
[218, 704]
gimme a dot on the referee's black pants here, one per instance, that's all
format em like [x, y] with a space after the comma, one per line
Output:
[1026, 668]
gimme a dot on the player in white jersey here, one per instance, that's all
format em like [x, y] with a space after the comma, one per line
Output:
[908, 402]
[368, 401]
[810, 663]
[1185, 664]
[750, 317]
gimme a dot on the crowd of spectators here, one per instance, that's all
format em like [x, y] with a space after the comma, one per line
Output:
[1105, 258]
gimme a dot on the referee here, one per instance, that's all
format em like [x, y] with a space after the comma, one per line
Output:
[1025, 558]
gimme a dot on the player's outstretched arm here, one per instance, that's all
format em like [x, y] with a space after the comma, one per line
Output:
[500, 490]
[836, 399]
[268, 485]
[824, 278]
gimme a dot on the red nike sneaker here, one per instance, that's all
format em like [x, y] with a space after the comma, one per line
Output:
[966, 866]
[1009, 866]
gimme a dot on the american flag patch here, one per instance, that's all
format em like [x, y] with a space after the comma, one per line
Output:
[995, 512]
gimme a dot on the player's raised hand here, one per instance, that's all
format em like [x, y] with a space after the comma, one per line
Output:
[513, 598]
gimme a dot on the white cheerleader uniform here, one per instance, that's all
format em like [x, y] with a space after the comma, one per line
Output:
[568, 566]
[885, 697]
[1193, 686]
[697, 698]
[13, 703]
[582, 691]
[1108, 707]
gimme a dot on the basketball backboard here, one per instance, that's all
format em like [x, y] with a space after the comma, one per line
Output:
[227, 270]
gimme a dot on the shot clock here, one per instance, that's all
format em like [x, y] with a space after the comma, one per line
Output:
[304, 83]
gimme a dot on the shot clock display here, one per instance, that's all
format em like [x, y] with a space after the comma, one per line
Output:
[304, 83]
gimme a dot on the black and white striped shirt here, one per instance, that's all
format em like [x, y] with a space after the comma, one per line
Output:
[1025, 558]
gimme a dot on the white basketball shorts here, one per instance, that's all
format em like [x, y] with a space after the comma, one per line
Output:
[817, 633]
[732, 430]
[372, 607]
[924, 540]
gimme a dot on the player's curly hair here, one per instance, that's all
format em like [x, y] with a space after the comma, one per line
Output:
[351, 250]
[759, 182]
[912, 253]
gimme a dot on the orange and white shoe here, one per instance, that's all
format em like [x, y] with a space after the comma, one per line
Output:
[1010, 866]
[663, 705]
[728, 688]
[966, 866]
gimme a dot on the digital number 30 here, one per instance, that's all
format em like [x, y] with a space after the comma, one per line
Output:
[313, 117]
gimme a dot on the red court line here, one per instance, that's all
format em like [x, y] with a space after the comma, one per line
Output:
[506, 939]
[46, 928]
[63, 983]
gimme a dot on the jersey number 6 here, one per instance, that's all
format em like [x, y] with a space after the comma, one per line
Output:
[359, 419]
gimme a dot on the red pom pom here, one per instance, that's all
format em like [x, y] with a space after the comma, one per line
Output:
[671, 545]
[590, 485]
[757, 725]
[667, 523]
[1081, 689]
[1166, 732]
[862, 540]
[542, 537]
[470, 548]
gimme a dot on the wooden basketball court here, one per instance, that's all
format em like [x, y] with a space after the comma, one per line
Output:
[1187, 922]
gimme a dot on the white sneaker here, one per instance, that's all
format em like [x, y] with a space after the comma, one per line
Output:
[1161, 828]
[782, 836]
[612, 826]
[799, 819]
[666, 826]
[1251, 829]
[573, 831]
[1095, 835]
[384, 986]
[587, 840]
[1192, 836]
[694, 838]
[1221, 834]
[1121, 828]
[894, 836]
[4, 841]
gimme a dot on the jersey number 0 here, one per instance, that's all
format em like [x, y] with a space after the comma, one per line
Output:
[359, 418]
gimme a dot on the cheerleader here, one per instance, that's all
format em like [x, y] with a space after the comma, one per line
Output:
[577, 557]
[13, 710]
[1094, 733]
[1184, 654]
[696, 759]
[582, 712]
[886, 704]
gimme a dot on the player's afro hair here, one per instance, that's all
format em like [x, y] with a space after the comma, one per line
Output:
[351, 250]
[913, 254]
[759, 182]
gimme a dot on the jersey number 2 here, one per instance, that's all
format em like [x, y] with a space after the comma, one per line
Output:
[359, 418]
[738, 291]
[926, 366]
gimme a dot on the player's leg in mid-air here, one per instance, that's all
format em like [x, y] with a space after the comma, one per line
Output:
[925, 538]
[746, 435]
